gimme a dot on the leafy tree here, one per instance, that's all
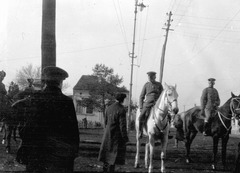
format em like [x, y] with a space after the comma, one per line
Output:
[104, 88]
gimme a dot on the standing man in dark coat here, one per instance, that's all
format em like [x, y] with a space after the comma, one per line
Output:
[53, 128]
[209, 102]
[149, 95]
[113, 147]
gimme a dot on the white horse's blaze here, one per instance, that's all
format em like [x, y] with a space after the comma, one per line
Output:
[157, 123]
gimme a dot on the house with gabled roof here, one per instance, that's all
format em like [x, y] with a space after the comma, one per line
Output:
[80, 91]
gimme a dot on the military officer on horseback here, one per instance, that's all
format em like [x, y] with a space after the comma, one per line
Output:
[149, 95]
[209, 103]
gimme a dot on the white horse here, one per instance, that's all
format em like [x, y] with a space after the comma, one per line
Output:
[157, 126]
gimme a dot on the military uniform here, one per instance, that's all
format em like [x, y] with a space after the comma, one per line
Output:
[149, 95]
[209, 102]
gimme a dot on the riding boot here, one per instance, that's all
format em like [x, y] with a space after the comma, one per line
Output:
[112, 168]
[105, 167]
[206, 129]
[169, 119]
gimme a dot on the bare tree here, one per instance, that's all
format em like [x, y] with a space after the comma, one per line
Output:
[26, 72]
[33, 72]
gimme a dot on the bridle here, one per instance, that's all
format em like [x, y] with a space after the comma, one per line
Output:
[220, 115]
[169, 103]
[233, 110]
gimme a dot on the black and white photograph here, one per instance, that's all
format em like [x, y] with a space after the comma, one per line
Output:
[120, 86]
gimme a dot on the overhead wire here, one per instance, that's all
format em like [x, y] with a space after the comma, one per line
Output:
[206, 18]
[189, 4]
[121, 24]
[212, 40]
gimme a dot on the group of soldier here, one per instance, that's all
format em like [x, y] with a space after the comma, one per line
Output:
[50, 138]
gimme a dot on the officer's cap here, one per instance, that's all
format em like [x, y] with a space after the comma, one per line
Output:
[151, 73]
[2, 73]
[211, 79]
[54, 73]
[120, 96]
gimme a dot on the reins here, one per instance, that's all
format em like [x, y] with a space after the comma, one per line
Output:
[154, 115]
[220, 115]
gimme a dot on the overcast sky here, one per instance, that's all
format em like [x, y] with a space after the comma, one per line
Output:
[204, 43]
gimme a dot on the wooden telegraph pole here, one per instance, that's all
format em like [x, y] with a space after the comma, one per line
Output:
[48, 33]
[164, 45]
[132, 55]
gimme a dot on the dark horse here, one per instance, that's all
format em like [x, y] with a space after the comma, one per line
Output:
[9, 123]
[191, 122]
[9, 118]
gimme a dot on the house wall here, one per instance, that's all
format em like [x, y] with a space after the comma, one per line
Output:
[96, 116]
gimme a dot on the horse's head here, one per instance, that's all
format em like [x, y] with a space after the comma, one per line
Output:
[172, 96]
[235, 106]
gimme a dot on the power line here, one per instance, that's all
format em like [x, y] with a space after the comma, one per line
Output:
[207, 18]
[212, 40]
[121, 24]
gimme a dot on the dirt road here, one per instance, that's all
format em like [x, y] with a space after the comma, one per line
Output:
[201, 153]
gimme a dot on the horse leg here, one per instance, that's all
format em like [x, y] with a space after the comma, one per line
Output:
[146, 155]
[9, 130]
[224, 149]
[137, 157]
[14, 133]
[164, 142]
[215, 149]
[190, 135]
[4, 133]
[151, 148]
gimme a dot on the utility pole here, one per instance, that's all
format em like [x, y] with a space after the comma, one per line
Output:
[164, 45]
[48, 33]
[132, 55]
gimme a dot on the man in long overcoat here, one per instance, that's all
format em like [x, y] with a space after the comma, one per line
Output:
[113, 147]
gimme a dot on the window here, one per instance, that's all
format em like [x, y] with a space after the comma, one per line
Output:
[89, 109]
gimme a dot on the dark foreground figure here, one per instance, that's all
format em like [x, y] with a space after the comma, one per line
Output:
[50, 137]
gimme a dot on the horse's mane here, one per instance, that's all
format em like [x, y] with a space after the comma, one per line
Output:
[161, 97]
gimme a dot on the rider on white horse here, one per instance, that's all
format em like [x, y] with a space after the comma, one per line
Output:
[149, 95]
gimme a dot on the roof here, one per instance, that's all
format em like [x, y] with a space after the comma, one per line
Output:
[86, 81]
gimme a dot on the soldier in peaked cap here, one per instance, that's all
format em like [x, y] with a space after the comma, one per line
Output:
[149, 95]
[209, 102]
[52, 73]
[55, 137]
[113, 147]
